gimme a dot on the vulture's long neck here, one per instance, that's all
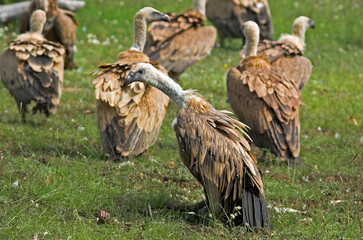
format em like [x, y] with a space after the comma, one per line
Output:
[299, 32]
[170, 88]
[251, 45]
[199, 5]
[140, 28]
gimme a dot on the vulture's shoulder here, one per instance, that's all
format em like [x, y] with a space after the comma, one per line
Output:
[30, 50]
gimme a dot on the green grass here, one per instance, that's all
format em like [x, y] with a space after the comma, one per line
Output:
[65, 180]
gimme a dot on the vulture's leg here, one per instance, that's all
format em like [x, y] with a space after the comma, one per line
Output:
[294, 162]
[22, 109]
[264, 155]
[221, 38]
[69, 64]
[189, 208]
[213, 196]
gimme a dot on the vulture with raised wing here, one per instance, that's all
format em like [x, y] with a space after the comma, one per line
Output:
[266, 101]
[214, 148]
[286, 54]
[229, 15]
[59, 27]
[129, 116]
[182, 42]
[31, 68]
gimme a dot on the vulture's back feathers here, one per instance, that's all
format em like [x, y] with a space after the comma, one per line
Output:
[269, 104]
[229, 15]
[33, 70]
[286, 59]
[214, 148]
[180, 43]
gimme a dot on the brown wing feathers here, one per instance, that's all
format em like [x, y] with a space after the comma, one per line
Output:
[37, 68]
[180, 43]
[214, 150]
[229, 15]
[129, 116]
[275, 101]
[286, 59]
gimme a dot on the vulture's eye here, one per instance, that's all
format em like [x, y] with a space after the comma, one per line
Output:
[141, 71]
[155, 14]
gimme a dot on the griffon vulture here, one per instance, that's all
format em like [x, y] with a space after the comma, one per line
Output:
[129, 116]
[214, 148]
[266, 101]
[32, 69]
[182, 42]
[286, 54]
[229, 15]
[59, 27]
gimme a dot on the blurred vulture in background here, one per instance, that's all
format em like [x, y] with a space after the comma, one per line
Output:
[229, 15]
[182, 42]
[266, 101]
[286, 54]
[214, 148]
[129, 116]
[32, 69]
[59, 27]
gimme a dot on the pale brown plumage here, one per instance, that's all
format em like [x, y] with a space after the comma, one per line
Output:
[214, 148]
[129, 116]
[229, 15]
[180, 43]
[269, 104]
[32, 69]
[286, 54]
[60, 26]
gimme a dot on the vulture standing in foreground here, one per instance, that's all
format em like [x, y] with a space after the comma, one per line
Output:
[182, 42]
[59, 27]
[129, 116]
[286, 54]
[266, 101]
[214, 148]
[32, 69]
[229, 15]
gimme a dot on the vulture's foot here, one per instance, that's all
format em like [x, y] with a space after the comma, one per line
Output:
[221, 39]
[294, 162]
[70, 66]
[188, 208]
[263, 157]
[22, 109]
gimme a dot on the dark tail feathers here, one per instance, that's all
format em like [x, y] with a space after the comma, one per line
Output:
[254, 214]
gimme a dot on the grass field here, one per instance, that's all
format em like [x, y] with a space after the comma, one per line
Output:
[55, 179]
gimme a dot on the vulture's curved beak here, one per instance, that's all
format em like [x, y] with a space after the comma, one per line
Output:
[130, 78]
[311, 24]
[164, 17]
